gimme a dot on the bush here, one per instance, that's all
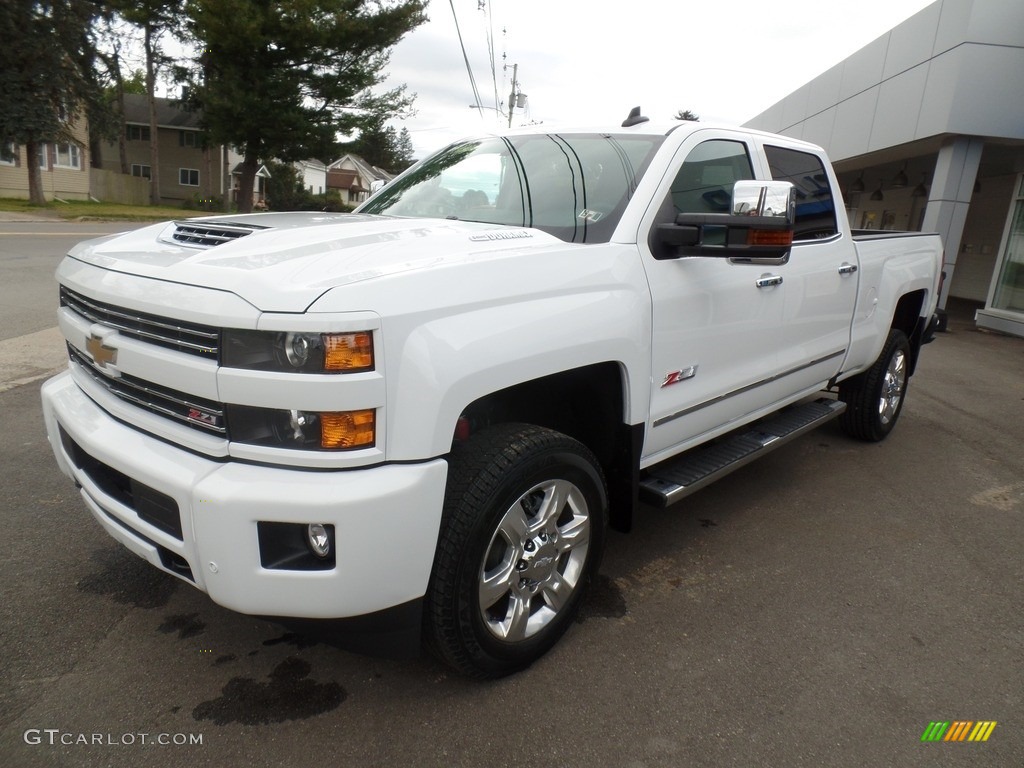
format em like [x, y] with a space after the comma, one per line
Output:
[201, 203]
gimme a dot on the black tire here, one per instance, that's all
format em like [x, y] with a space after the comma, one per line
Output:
[522, 534]
[874, 399]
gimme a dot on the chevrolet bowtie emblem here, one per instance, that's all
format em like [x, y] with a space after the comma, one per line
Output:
[101, 354]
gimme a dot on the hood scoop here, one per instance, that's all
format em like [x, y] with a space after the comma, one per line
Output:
[206, 234]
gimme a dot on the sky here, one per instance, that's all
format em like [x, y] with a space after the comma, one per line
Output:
[587, 63]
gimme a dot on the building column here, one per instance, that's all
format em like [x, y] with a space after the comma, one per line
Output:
[956, 170]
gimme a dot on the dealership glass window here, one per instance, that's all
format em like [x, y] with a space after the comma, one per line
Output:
[1008, 288]
[188, 177]
[67, 156]
[142, 171]
[815, 204]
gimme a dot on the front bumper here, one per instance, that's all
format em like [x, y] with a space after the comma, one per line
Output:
[385, 518]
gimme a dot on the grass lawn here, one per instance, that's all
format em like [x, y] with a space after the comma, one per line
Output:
[87, 210]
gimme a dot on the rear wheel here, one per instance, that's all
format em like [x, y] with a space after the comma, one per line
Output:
[874, 398]
[522, 534]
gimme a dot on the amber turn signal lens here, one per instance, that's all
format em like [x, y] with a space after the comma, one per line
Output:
[348, 429]
[348, 351]
[770, 237]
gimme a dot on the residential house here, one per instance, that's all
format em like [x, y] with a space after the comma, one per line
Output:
[313, 174]
[64, 167]
[259, 192]
[189, 170]
[355, 179]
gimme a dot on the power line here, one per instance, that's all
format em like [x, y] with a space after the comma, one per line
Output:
[469, 69]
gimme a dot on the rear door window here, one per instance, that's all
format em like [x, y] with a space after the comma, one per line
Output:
[815, 203]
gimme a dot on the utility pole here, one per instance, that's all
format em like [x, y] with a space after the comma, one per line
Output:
[512, 95]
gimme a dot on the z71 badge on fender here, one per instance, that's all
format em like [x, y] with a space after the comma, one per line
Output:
[676, 376]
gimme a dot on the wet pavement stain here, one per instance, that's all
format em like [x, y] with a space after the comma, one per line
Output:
[128, 580]
[225, 659]
[185, 624]
[290, 638]
[289, 695]
[706, 523]
[605, 601]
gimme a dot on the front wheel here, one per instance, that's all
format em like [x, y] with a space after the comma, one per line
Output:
[874, 398]
[522, 533]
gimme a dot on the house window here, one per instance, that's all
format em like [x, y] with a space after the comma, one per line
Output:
[188, 139]
[67, 156]
[138, 132]
[43, 157]
[143, 171]
[188, 177]
[8, 154]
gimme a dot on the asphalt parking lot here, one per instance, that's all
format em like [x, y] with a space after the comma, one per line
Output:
[817, 608]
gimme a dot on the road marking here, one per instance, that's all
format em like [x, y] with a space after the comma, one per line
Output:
[55, 234]
[29, 358]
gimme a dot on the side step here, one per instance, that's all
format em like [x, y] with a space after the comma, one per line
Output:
[668, 483]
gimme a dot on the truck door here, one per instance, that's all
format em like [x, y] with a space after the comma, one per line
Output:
[821, 276]
[716, 333]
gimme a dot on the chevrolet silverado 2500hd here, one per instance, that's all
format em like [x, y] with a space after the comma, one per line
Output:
[419, 419]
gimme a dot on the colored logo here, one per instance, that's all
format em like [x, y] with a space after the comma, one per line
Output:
[101, 353]
[959, 730]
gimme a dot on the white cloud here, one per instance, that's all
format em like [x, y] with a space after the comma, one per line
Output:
[589, 63]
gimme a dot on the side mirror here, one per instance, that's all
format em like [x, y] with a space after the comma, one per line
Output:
[759, 225]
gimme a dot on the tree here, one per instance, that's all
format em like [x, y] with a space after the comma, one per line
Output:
[381, 145]
[47, 75]
[285, 190]
[284, 79]
[685, 114]
[155, 18]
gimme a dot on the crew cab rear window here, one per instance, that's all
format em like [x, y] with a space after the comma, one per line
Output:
[574, 187]
[815, 204]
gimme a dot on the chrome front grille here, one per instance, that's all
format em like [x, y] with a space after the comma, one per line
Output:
[207, 235]
[191, 338]
[196, 412]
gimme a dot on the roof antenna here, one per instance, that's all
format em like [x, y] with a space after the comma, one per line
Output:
[635, 118]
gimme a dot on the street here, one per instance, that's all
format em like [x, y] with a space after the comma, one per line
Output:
[819, 607]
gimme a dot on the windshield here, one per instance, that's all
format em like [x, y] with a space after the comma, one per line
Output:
[574, 187]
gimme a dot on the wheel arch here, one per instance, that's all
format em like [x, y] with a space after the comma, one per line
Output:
[589, 404]
[907, 317]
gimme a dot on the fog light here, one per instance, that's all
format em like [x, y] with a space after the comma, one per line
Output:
[319, 541]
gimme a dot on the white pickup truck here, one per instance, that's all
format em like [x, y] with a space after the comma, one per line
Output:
[415, 422]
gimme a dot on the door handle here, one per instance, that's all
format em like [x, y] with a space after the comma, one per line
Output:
[847, 269]
[766, 281]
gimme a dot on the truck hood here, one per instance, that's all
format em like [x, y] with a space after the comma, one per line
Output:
[283, 262]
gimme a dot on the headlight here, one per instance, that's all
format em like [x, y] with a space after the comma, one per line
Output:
[304, 430]
[290, 352]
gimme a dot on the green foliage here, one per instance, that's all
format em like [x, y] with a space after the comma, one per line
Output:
[135, 82]
[285, 191]
[381, 145]
[283, 79]
[199, 202]
[47, 77]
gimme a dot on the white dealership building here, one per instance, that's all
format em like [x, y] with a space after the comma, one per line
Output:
[925, 126]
